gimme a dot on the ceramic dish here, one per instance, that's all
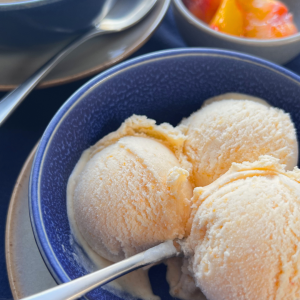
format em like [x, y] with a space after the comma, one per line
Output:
[30, 22]
[197, 34]
[90, 58]
[165, 86]
[26, 269]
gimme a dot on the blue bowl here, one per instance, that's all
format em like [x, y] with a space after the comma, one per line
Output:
[166, 86]
[31, 22]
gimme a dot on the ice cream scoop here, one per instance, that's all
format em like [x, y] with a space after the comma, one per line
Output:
[130, 191]
[245, 232]
[228, 131]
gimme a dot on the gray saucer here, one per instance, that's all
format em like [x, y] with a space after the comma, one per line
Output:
[26, 269]
[88, 59]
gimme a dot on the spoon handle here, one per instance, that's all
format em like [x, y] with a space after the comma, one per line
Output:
[81, 286]
[10, 102]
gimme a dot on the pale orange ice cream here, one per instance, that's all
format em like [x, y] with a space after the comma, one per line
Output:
[132, 191]
[245, 233]
[227, 131]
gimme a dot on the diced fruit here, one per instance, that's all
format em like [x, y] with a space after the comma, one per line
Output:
[229, 18]
[267, 19]
[270, 28]
[261, 8]
[261, 19]
[203, 9]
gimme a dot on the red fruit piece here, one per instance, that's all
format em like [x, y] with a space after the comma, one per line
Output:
[203, 9]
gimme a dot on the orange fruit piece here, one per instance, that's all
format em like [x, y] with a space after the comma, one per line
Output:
[229, 18]
[203, 9]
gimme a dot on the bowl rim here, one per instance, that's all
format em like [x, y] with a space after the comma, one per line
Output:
[35, 209]
[24, 4]
[231, 38]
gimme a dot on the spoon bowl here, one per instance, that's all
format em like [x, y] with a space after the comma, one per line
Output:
[116, 20]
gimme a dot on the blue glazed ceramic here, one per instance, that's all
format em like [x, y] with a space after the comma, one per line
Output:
[166, 86]
[32, 22]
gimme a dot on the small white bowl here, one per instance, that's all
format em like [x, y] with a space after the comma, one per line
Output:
[198, 34]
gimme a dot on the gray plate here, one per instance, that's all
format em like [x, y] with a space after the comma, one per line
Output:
[26, 269]
[92, 57]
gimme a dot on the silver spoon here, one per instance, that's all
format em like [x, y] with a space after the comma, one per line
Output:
[78, 287]
[117, 15]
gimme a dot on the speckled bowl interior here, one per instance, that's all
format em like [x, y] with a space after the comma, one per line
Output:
[166, 86]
